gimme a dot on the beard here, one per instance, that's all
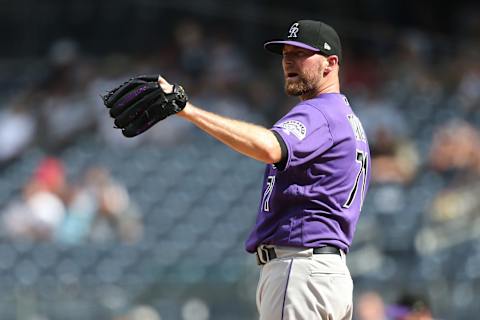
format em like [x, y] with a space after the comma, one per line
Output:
[303, 84]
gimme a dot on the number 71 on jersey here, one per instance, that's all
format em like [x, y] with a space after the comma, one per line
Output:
[362, 159]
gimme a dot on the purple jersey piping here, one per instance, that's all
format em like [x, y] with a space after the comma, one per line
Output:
[286, 286]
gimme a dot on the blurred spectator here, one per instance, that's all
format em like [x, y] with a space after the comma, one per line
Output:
[370, 306]
[98, 210]
[117, 218]
[263, 99]
[195, 309]
[467, 94]
[410, 307]
[395, 160]
[141, 312]
[224, 82]
[80, 214]
[42, 208]
[17, 128]
[455, 154]
[192, 49]
[64, 107]
[228, 65]
[456, 202]
[379, 113]
[455, 147]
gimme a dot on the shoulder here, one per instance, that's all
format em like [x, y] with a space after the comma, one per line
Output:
[328, 102]
[301, 119]
[307, 109]
[334, 108]
[331, 105]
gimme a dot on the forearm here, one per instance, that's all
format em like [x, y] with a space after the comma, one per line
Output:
[251, 140]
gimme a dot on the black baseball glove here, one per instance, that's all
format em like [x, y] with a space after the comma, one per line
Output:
[139, 103]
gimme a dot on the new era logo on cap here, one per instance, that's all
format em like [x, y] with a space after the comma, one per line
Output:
[309, 34]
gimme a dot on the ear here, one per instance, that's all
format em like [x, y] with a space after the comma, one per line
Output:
[330, 63]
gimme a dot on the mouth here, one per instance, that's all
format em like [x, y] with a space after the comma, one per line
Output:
[291, 75]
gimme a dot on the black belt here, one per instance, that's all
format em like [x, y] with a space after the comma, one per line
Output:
[265, 254]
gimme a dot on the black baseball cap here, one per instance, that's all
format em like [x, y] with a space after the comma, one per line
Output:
[309, 34]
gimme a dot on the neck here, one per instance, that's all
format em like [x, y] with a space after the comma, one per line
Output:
[330, 86]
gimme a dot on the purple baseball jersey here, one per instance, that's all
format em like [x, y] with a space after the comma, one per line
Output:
[315, 200]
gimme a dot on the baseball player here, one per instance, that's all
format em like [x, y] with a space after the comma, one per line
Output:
[316, 177]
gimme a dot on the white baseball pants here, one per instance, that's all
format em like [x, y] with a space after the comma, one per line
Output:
[300, 285]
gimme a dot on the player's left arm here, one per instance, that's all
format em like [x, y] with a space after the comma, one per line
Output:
[249, 139]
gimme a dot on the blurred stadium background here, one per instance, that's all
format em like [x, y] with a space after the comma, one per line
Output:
[96, 226]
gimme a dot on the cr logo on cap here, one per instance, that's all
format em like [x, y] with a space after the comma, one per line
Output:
[293, 30]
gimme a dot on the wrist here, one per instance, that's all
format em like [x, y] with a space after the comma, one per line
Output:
[186, 113]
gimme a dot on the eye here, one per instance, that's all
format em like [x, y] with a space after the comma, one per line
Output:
[302, 54]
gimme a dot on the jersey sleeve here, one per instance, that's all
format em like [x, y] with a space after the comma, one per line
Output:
[306, 134]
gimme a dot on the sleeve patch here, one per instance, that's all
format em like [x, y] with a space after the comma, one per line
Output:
[294, 127]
